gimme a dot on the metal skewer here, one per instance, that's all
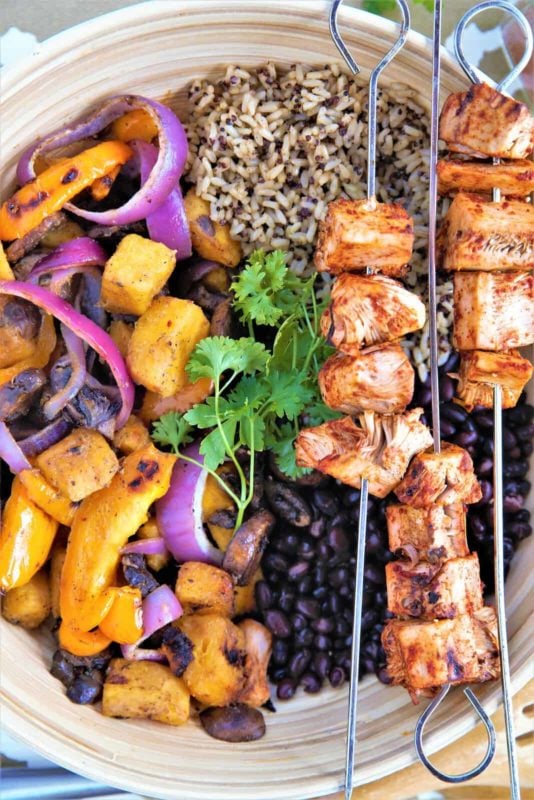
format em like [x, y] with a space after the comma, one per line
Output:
[364, 489]
[497, 412]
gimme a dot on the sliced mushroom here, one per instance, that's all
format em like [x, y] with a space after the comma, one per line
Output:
[239, 723]
[18, 395]
[288, 504]
[177, 649]
[92, 408]
[137, 574]
[221, 321]
[20, 247]
[243, 554]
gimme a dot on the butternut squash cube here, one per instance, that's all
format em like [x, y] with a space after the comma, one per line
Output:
[163, 339]
[6, 273]
[216, 674]
[138, 269]
[121, 333]
[210, 239]
[131, 436]
[205, 589]
[144, 690]
[80, 464]
[28, 605]
[150, 530]
[56, 565]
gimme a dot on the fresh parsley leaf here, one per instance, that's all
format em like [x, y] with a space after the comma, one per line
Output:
[317, 413]
[283, 447]
[288, 393]
[252, 432]
[172, 430]
[213, 446]
[249, 393]
[216, 355]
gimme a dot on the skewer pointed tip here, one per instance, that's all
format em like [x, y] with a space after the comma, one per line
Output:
[348, 791]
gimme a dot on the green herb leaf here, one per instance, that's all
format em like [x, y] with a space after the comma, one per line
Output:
[213, 446]
[284, 449]
[379, 6]
[172, 430]
[288, 393]
[218, 354]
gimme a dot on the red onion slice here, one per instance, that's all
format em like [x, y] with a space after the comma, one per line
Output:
[10, 451]
[45, 438]
[168, 224]
[160, 607]
[76, 352]
[82, 251]
[87, 330]
[164, 177]
[179, 512]
[147, 547]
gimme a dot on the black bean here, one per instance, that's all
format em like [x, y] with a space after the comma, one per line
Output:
[310, 608]
[345, 591]
[351, 497]
[263, 594]
[322, 642]
[304, 638]
[325, 501]
[527, 448]
[278, 623]
[321, 593]
[85, 689]
[311, 683]
[509, 439]
[276, 562]
[280, 652]
[305, 585]
[286, 599]
[278, 673]
[336, 603]
[515, 453]
[336, 676]
[520, 530]
[298, 570]
[61, 668]
[487, 491]
[515, 469]
[485, 467]
[323, 625]
[446, 389]
[484, 419]
[338, 577]
[384, 676]
[520, 415]
[286, 689]
[374, 573]
[321, 664]
[317, 528]
[306, 549]
[338, 539]
[299, 662]
[453, 412]
[369, 618]
[299, 622]
[324, 551]
[319, 574]
[448, 428]
[525, 433]
[287, 544]
[465, 438]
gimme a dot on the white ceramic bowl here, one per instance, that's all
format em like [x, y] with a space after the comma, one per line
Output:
[155, 49]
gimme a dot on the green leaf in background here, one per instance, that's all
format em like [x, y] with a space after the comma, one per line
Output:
[379, 6]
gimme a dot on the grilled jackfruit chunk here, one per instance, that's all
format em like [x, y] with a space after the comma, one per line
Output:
[379, 449]
[480, 370]
[356, 234]
[484, 122]
[370, 310]
[424, 656]
[513, 178]
[486, 236]
[493, 310]
[380, 379]
[433, 534]
[443, 478]
[434, 591]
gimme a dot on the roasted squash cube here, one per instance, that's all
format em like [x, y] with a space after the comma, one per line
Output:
[205, 589]
[154, 405]
[57, 560]
[138, 269]
[28, 605]
[80, 464]
[144, 690]
[121, 333]
[216, 674]
[163, 339]
[131, 436]
[19, 328]
[6, 273]
[210, 239]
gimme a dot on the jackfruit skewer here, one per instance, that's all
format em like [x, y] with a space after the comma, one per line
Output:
[513, 178]
[480, 370]
[434, 534]
[444, 478]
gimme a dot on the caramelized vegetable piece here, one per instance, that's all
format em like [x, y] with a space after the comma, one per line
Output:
[26, 538]
[144, 690]
[356, 234]
[237, 723]
[103, 524]
[64, 232]
[513, 178]
[58, 184]
[102, 186]
[19, 394]
[81, 643]
[211, 240]
[216, 674]
[245, 549]
[444, 478]
[44, 347]
[205, 589]
[379, 379]
[20, 322]
[379, 449]
[136, 272]
[6, 273]
[28, 605]
[423, 656]
[124, 621]
[434, 591]
[154, 405]
[132, 436]
[258, 646]
[177, 649]
[483, 316]
[121, 333]
[484, 122]
[136, 124]
[245, 596]
[488, 236]
[434, 533]
[80, 464]
[372, 310]
[150, 530]
[163, 339]
[480, 370]
[44, 495]
[57, 560]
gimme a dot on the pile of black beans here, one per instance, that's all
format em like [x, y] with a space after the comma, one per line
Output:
[306, 597]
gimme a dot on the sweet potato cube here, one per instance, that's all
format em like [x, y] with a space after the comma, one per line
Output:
[485, 236]
[216, 674]
[121, 333]
[434, 533]
[163, 339]
[144, 690]
[493, 310]
[138, 269]
[205, 589]
[480, 370]
[356, 234]
[80, 464]
[133, 435]
[28, 605]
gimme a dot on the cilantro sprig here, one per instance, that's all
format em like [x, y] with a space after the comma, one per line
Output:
[259, 395]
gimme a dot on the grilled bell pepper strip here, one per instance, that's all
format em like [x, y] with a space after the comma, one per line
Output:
[46, 342]
[56, 186]
[82, 643]
[26, 537]
[102, 186]
[136, 124]
[44, 495]
[102, 526]
[124, 622]
[6, 273]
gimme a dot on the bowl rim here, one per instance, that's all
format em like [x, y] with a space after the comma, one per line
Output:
[15, 76]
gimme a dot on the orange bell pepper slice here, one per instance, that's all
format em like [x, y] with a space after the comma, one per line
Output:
[56, 186]
[26, 538]
[124, 622]
[46, 342]
[154, 405]
[137, 124]
[102, 186]
[44, 495]
[80, 643]
[6, 273]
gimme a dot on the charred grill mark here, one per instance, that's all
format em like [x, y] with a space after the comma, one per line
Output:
[15, 209]
[70, 176]
[235, 657]
[455, 670]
